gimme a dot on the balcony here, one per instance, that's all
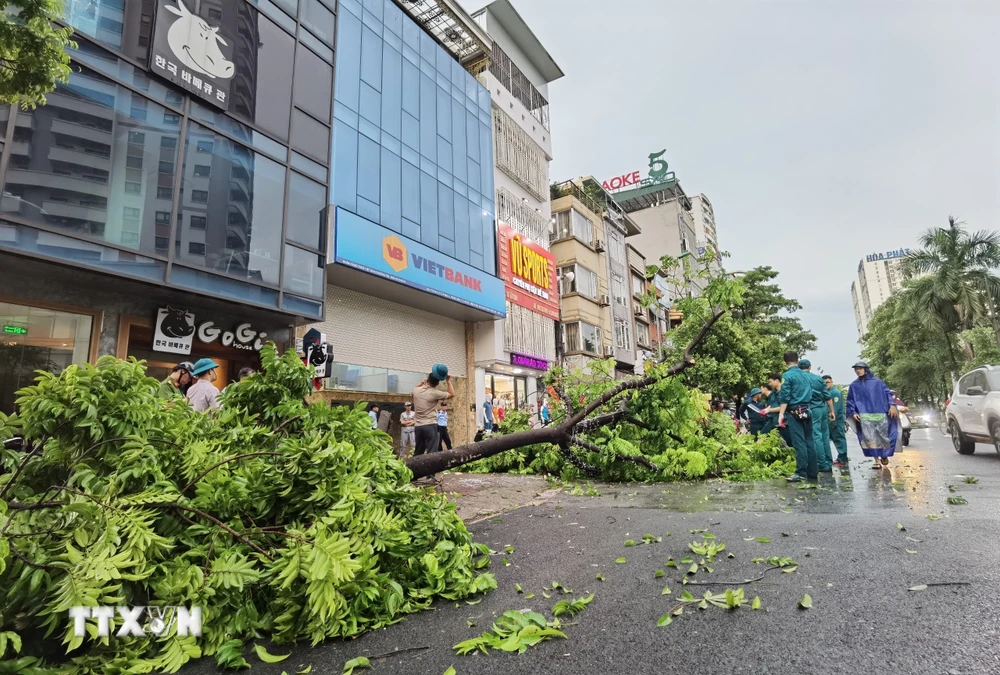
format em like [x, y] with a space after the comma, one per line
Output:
[80, 158]
[570, 188]
[54, 181]
[22, 148]
[75, 211]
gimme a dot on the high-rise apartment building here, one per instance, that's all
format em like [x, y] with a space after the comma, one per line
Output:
[512, 355]
[879, 276]
[706, 236]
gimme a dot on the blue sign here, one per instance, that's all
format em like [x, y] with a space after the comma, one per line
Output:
[371, 248]
[888, 255]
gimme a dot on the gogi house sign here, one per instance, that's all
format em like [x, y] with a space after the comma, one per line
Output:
[191, 53]
[176, 329]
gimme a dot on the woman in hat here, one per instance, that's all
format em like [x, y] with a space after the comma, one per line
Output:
[203, 395]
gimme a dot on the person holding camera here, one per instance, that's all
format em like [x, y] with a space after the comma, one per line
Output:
[426, 401]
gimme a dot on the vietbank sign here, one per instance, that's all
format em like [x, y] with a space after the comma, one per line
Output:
[371, 248]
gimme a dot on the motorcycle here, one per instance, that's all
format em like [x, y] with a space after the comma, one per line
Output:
[904, 424]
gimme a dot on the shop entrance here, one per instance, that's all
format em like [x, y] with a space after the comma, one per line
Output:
[159, 364]
[509, 392]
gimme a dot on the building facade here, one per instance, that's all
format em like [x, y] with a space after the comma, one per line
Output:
[511, 356]
[413, 261]
[163, 208]
[706, 234]
[879, 276]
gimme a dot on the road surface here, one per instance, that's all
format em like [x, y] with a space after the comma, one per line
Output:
[853, 560]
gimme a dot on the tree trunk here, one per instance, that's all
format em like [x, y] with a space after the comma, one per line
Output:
[562, 434]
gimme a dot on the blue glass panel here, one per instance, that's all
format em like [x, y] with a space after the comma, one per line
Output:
[411, 131]
[446, 246]
[486, 161]
[411, 193]
[30, 240]
[428, 47]
[411, 34]
[347, 81]
[427, 68]
[459, 167]
[348, 117]
[371, 22]
[393, 41]
[375, 7]
[368, 209]
[391, 144]
[230, 288]
[476, 260]
[444, 177]
[412, 56]
[393, 17]
[306, 204]
[472, 128]
[428, 119]
[293, 303]
[475, 229]
[460, 188]
[411, 156]
[475, 174]
[444, 117]
[444, 154]
[371, 59]
[391, 199]
[352, 6]
[428, 210]
[392, 91]
[472, 89]
[461, 228]
[446, 213]
[484, 99]
[411, 229]
[371, 104]
[489, 242]
[344, 189]
[370, 130]
[368, 169]
[308, 166]
[411, 89]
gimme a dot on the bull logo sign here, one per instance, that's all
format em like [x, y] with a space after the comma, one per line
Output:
[191, 52]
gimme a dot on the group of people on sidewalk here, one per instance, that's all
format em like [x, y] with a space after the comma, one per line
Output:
[809, 413]
[195, 383]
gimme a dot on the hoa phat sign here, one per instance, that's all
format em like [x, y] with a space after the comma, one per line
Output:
[190, 52]
[175, 331]
[529, 273]
[888, 255]
[658, 173]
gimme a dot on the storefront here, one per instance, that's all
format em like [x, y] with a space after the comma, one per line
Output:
[41, 336]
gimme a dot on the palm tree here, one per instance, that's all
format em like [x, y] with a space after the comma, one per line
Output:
[951, 283]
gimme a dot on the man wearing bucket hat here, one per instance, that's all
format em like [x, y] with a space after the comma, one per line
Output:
[426, 401]
[203, 395]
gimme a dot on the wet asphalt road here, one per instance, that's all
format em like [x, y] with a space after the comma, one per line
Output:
[854, 561]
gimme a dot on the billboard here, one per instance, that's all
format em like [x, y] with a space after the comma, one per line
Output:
[529, 273]
[371, 248]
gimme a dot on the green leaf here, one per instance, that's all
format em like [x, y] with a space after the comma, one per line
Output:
[933, 516]
[267, 657]
[920, 587]
[358, 662]
[693, 569]
[529, 596]
[957, 500]
[756, 603]
[910, 551]
[517, 587]
[304, 671]
[508, 549]
[971, 480]
[806, 602]
[658, 574]
[763, 540]
[687, 597]
[789, 570]
[599, 577]
[629, 542]
[666, 590]
[450, 671]
[621, 561]
[687, 561]
[678, 611]
[665, 620]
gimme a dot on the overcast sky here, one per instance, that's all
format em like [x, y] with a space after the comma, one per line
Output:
[821, 130]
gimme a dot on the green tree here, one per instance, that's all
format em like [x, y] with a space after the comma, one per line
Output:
[952, 286]
[33, 56]
[765, 305]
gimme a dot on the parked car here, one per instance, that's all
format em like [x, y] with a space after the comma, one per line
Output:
[973, 414]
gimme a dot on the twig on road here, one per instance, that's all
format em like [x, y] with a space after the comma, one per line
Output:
[397, 652]
[735, 583]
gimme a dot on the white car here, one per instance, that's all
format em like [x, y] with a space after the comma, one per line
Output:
[973, 415]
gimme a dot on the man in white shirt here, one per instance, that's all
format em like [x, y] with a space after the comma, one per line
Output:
[407, 421]
[373, 413]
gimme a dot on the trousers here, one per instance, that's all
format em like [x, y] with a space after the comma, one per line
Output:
[821, 436]
[838, 434]
[444, 436]
[801, 435]
[428, 439]
[408, 439]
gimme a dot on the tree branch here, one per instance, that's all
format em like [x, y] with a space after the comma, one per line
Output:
[213, 519]
[635, 459]
[218, 464]
[35, 450]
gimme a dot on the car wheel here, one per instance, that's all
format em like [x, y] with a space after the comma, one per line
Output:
[963, 445]
[995, 435]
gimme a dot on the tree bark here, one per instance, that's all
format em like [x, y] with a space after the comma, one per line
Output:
[561, 434]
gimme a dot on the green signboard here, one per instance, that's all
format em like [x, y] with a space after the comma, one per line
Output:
[15, 330]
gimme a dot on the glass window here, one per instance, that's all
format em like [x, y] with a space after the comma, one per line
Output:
[318, 19]
[261, 89]
[313, 83]
[237, 130]
[616, 246]
[32, 338]
[198, 222]
[642, 333]
[310, 137]
[618, 290]
[196, 248]
[97, 159]
[303, 272]
[163, 193]
[582, 337]
[572, 223]
[217, 285]
[623, 334]
[107, 22]
[242, 204]
[306, 204]
[638, 285]
[578, 279]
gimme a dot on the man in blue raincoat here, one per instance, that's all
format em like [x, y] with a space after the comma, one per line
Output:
[871, 411]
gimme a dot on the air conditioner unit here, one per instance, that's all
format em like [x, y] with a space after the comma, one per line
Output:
[609, 350]
[605, 300]
[599, 246]
[638, 311]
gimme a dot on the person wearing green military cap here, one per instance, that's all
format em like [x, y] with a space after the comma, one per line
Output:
[838, 427]
[821, 409]
[795, 397]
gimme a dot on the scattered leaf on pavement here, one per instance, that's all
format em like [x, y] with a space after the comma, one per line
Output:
[621, 561]
[806, 602]
[665, 620]
[920, 587]
[756, 603]
[359, 662]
